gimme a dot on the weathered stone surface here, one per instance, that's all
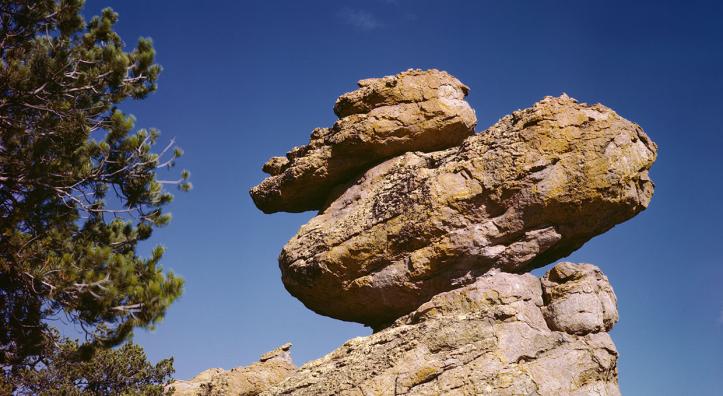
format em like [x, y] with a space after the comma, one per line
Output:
[272, 368]
[487, 338]
[425, 233]
[578, 299]
[411, 86]
[411, 111]
[532, 188]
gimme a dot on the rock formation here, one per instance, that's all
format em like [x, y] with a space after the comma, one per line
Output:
[412, 111]
[425, 232]
[487, 338]
[531, 189]
[272, 368]
[500, 335]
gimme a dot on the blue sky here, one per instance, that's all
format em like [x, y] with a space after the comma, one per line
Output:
[245, 80]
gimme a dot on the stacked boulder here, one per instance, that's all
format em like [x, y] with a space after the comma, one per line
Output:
[386, 117]
[531, 189]
[426, 232]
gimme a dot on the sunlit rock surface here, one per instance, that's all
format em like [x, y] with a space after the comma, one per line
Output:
[426, 232]
[411, 111]
[531, 189]
[272, 368]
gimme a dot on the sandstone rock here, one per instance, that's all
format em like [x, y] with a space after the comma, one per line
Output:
[425, 233]
[272, 368]
[411, 86]
[531, 189]
[411, 111]
[487, 338]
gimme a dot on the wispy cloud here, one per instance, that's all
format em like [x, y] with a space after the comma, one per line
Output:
[359, 19]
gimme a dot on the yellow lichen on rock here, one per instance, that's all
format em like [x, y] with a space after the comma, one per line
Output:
[532, 188]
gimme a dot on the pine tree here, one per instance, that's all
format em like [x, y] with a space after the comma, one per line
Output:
[78, 186]
[121, 371]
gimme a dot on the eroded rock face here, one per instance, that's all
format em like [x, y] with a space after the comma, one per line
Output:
[531, 189]
[578, 299]
[272, 368]
[425, 233]
[411, 111]
[487, 338]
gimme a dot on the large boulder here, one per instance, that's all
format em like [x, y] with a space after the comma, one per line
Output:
[532, 188]
[411, 111]
[487, 338]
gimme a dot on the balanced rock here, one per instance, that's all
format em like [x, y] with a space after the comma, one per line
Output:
[531, 189]
[272, 368]
[411, 111]
[490, 337]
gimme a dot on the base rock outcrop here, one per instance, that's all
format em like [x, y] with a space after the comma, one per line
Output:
[495, 336]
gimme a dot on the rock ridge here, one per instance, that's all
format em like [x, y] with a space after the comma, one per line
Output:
[489, 337]
[272, 368]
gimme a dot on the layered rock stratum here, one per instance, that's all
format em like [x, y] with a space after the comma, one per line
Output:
[426, 232]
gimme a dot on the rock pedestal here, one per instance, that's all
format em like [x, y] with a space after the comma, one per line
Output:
[490, 337]
[503, 334]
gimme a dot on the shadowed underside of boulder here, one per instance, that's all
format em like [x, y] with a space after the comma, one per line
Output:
[531, 189]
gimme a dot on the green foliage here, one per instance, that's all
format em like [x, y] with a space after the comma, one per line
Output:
[122, 371]
[78, 188]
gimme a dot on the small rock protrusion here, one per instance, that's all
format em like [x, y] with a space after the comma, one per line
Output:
[275, 165]
[281, 353]
[578, 299]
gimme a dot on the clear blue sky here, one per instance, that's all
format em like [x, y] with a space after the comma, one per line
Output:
[245, 80]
